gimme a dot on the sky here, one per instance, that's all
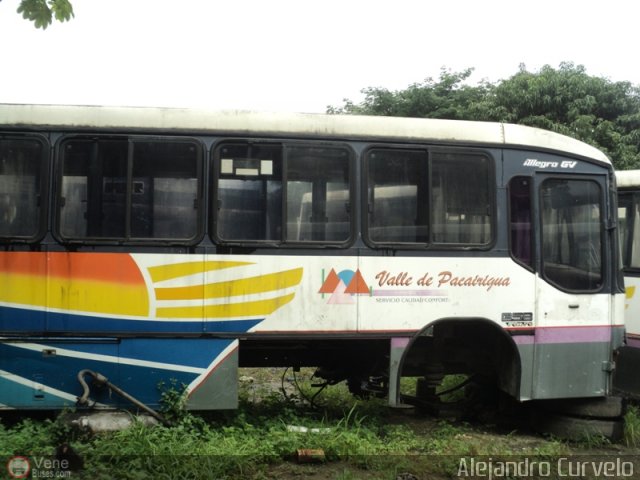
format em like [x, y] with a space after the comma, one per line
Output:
[299, 55]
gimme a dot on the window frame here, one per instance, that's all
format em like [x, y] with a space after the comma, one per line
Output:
[628, 252]
[532, 220]
[130, 139]
[43, 190]
[626, 248]
[285, 144]
[429, 245]
[541, 180]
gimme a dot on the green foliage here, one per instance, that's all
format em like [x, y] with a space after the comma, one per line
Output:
[566, 100]
[251, 442]
[27, 436]
[449, 97]
[632, 427]
[595, 110]
[591, 440]
[356, 436]
[454, 386]
[42, 12]
[173, 400]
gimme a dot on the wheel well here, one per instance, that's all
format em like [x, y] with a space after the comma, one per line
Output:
[470, 346]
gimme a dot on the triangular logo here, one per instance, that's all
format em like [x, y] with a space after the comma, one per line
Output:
[357, 284]
[330, 283]
[339, 297]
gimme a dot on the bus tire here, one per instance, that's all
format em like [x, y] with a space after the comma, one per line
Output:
[600, 408]
[575, 428]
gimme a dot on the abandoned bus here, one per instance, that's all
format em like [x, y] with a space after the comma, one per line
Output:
[152, 246]
[626, 378]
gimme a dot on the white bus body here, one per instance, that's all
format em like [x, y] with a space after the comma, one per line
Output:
[151, 245]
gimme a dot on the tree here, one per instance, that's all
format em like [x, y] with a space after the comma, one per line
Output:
[566, 100]
[448, 98]
[42, 12]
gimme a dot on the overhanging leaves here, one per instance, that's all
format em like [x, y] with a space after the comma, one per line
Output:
[42, 12]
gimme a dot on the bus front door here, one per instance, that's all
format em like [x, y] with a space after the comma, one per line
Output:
[573, 332]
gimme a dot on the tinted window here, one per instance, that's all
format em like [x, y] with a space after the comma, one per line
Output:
[282, 193]
[129, 189]
[520, 220]
[461, 206]
[318, 194]
[398, 196]
[417, 198]
[21, 164]
[250, 192]
[572, 233]
[628, 222]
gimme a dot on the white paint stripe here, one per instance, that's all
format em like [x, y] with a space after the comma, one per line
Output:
[45, 388]
[148, 283]
[108, 358]
[238, 299]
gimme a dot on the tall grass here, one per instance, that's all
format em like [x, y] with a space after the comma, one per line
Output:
[632, 426]
[355, 435]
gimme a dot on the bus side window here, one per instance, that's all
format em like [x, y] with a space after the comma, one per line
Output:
[93, 187]
[129, 189]
[398, 196]
[20, 170]
[520, 220]
[628, 223]
[635, 242]
[318, 194]
[249, 186]
[416, 200]
[164, 194]
[461, 203]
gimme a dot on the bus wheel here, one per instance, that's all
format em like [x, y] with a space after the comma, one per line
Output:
[600, 408]
[576, 428]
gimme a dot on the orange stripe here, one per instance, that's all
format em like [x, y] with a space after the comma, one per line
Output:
[118, 268]
[24, 263]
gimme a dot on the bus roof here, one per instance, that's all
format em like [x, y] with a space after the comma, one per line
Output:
[628, 178]
[351, 127]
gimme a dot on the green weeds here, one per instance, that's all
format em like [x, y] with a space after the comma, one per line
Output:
[265, 433]
[632, 427]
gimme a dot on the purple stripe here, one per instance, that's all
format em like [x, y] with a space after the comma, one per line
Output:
[400, 342]
[523, 339]
[599, 334]
[633, 342]
[409, 293]
[573, 334]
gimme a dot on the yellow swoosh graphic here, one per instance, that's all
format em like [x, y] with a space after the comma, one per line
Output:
[233, 288]
[630, 291]
[168, 272]
[75, 294]
[245, 309]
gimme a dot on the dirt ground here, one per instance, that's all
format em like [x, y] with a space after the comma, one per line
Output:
[447, 466]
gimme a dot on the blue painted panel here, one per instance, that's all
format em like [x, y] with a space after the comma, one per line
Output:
[59, 371]
[21, 320]
[16, 395]
[26, 320]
